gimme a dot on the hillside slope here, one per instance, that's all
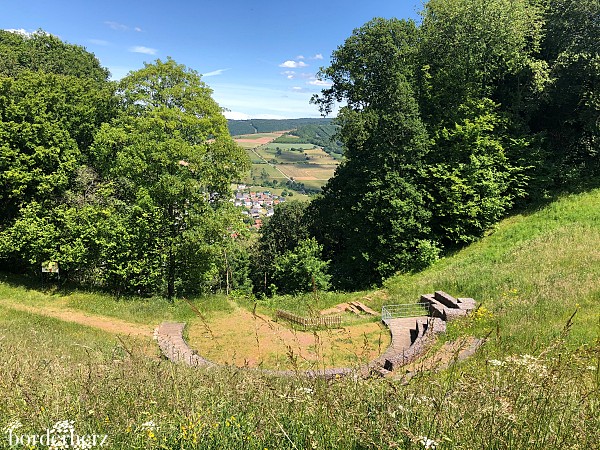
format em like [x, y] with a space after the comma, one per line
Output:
[531, 273]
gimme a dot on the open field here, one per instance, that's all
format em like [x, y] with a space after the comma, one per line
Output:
[245, 339]
[284, 157]
[258, 171]
[226, 333]
[258, 139]
[289, 147]
[315, 172]
[311, 166]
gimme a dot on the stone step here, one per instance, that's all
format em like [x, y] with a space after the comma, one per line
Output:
[364, 308]
[446, 299]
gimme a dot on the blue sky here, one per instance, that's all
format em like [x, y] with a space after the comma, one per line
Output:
[259, 57]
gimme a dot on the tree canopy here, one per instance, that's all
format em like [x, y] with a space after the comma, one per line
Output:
[450, 124]
[125, 185]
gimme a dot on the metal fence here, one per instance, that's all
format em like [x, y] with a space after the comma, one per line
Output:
[407, 310]
[325, 321]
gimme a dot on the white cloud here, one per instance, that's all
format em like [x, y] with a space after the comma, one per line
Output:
[299, 57]
[319, 83]
[20, 31]
[318, 56]
[264, 101]
[270, 116]
[293, 64]
[214, 72]
[101, 42]
[142, 49]
[138, 29]
[296, 88]
[234, 115]
[116, 25]
[289, 74]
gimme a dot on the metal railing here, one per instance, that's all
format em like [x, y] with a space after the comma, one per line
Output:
[389, 312]
[325, 321]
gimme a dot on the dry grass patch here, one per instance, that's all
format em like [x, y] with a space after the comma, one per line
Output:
[308, 172]
[255, 340]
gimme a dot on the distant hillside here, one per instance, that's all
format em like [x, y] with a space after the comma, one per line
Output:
[318, 132]
[238, 127]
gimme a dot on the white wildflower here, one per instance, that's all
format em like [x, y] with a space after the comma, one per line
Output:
[83, 444]
[305, 390]
[530, 363]
[428, 443]
[592, 368]
[403, 409]
[149, 426]
[63, 427]
[495, 362]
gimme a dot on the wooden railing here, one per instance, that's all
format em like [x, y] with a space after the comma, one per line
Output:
[306, 322]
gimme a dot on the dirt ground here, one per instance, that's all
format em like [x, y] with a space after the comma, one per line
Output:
[244, 339]
[108, 324]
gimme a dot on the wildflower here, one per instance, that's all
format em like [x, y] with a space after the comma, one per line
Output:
[305, 390]
[63, 427]
[428, 443]
[592, 368]
[495, 362]
[530, 363]
[149, 426]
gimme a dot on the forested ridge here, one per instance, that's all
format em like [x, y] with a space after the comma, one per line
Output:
[238, 127]
[448, 125]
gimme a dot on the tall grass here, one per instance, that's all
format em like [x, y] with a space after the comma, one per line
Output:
[535, 384]
[51, 371]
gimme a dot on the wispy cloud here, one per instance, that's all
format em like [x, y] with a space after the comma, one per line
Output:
[138, 29]
[101, 42]
[20, 31]
[319, 83]
[300, 57]
[297, 88]
[293, 64]
[289, 74]
[116, 25]
[318, 56]
[144, 50]
[235, 115]
[215, 72]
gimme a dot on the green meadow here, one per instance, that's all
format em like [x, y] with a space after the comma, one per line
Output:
[534, 384]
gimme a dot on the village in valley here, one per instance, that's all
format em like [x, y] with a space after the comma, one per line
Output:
[256, 204]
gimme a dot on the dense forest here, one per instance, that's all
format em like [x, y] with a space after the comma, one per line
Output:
[448, 125]
[125, 185]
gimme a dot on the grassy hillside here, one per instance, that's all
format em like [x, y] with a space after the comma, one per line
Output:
[535, 384]
[531, 273]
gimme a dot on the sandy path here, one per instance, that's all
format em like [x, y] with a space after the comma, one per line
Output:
[108, 324]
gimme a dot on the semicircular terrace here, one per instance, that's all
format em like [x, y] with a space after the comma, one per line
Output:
[410, 336]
